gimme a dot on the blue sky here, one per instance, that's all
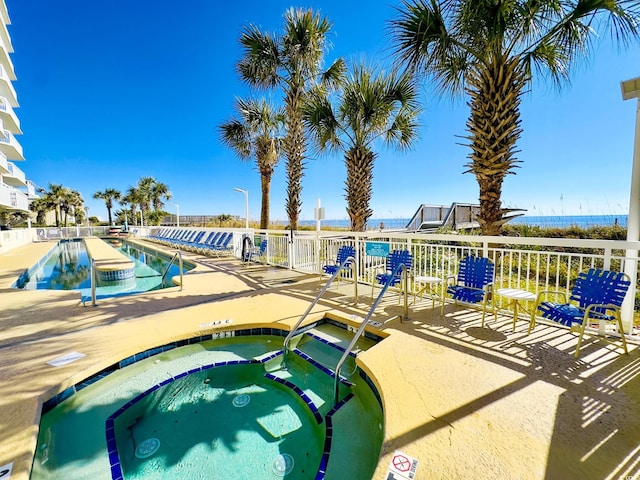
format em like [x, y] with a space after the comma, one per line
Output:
[111, 91]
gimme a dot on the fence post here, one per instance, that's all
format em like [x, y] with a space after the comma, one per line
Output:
[291, 250]
[93, 282]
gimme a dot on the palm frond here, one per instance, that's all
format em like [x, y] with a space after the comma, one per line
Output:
[334, 76]
[235, 134]
[320, 121]
[260, 58]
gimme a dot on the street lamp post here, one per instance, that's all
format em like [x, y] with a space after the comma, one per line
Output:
[246, 206]
[177, 213]
[631, 89]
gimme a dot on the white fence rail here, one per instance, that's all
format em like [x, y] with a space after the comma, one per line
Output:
[528, 263]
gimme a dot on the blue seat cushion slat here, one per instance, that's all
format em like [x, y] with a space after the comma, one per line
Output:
[464, 294]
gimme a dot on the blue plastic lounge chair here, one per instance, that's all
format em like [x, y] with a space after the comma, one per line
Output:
[473, 283]
[226, 246]
[393, 274]
[222, 244]
[209, 243]
[203, 241]
[596, 296]
[344, 252]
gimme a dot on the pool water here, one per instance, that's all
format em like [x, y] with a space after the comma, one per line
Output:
[68, 267]
[219, 409]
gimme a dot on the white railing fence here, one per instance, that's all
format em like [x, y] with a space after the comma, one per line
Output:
[529, 263]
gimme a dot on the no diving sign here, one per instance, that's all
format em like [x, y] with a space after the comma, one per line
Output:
[402, 467]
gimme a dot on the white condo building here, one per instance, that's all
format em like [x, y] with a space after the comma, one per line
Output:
[15, 189]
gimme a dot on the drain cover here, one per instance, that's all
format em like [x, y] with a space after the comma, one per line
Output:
[241, 400]
[147, 448]
[283, 464]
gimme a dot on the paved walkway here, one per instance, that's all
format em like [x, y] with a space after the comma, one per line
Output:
[467, 402]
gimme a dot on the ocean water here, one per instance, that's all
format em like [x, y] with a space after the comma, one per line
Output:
[558, 221]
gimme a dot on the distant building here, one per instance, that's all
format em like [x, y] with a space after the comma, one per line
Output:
[15, 190]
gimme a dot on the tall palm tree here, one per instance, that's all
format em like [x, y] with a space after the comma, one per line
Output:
[109, 195]
[72, 203]
[41, 207]
[369, 107]
[490, 50]
[159, 192]
[133, 198]
[293, 61]
[254, 132]
[55, 197]
[145, 188]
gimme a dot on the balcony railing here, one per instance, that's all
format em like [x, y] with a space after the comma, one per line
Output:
[10, 146]
[4, 164]
[7, 89]
[10, 119]
[15, 177]
[32, 190]
[13, 199]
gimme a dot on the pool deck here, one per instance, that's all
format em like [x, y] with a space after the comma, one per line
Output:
[465, 401]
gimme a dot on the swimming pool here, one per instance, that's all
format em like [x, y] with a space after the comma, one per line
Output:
[220, 408]
[68, 267]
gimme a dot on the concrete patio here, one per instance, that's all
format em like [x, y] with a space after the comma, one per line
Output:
[466, 401]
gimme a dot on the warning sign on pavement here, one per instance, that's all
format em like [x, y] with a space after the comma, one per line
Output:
[402, 467]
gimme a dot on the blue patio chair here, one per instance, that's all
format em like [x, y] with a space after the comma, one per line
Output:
[473, 284]
[344, 252]
[392, 273]
[596, 296]
[256, 252]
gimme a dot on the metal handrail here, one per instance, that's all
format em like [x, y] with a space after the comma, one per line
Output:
[93, 282]
[285, 345]
[366, 321]
[179, 255]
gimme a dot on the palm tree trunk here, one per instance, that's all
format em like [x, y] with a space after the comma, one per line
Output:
[359, 163]
[494, 128]
[265, 179]
[294, 147]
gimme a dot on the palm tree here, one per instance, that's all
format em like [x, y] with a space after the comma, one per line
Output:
[72, 203]
[133, 198]
[54, 198]
[369, 107]
[41, 207]
[144, 188]
[292, 61]
[109, 195]
[159, 192]
[254, 133]
[490, 50]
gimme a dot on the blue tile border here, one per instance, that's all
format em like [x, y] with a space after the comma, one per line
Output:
[328, 437]
[321, 367]
[299, 392]
[62, 396]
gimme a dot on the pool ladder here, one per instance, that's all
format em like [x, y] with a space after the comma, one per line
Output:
[342, 266]
[177, 255]
[358, 334]
[364, 323]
